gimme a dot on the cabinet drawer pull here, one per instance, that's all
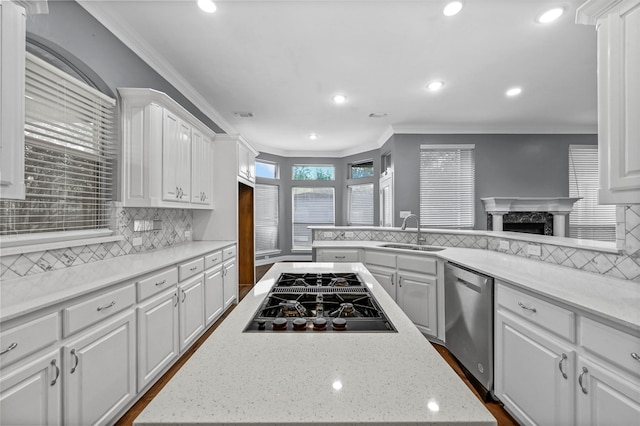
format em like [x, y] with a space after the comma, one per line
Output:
[526, 307]
[77, 360]
[177, 299]
[184, 296]
[101, 308]
[340, 257]
[584, 371]
[564, 358]
[635, 356]
[195, 268]
[55, 379]
[10, 348]
[161, 282]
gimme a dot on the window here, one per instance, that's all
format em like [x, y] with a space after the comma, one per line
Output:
[308, 172]
[267, 169]
[588, 220]
[311, 206]
[447, 186]
[266, 218]
[361, 170]
[68, 155]
[360, 204]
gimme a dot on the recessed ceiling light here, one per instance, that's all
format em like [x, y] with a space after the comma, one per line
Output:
[377, 115]
[452, 8]
[514, 91]
[313, 136]
[339, 99]
[435, 85]
[207, 5]
[550, 15]
[243, 114]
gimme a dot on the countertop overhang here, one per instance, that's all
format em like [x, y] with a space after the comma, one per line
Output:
[313, 377]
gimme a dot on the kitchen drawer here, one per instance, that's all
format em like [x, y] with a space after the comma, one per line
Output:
[21, 341]
[84, 314]
[213, 259]
[611, 344]
[544, 314]
[346, 255]
[191, 268]
[380, 258]
[156, 283]
[422, 264]
[229, 252]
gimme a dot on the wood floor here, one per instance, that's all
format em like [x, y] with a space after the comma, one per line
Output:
[503, 418]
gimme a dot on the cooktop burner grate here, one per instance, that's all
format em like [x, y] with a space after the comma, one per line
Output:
[323, 290]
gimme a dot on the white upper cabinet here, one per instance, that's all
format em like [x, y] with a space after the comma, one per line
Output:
[618, 26]
[246, 163]
[167, 154]
[201, 168]
[12, 63]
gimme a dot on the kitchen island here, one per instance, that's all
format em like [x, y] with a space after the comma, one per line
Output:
[315, 377]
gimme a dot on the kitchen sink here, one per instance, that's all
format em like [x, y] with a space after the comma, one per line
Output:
[415, 247]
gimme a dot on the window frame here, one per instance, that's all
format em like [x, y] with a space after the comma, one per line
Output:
[276, 166]
[466, 217]
[350, 222]
[332, 166]
[295, 247]
[360, 163]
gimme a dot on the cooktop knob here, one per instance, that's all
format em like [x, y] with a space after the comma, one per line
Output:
[279, 324]
[262, 324]
[319, 324]
[339, 324]
[299, 324]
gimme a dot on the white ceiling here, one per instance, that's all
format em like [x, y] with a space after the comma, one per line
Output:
[284, 60]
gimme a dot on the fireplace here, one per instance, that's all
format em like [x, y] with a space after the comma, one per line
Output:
[543, 216]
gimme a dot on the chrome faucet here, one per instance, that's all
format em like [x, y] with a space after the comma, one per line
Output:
[404, 225]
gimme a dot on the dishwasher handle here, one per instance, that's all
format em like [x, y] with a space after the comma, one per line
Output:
[470, 279]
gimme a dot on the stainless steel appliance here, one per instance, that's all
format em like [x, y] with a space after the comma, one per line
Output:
[469, 323]
[320, 302]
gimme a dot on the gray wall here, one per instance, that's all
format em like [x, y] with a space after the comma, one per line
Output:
[506, 165]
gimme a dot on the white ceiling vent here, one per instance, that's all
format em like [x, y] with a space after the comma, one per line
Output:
[243, 114]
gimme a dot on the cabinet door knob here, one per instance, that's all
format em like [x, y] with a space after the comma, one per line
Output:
[584, 371]
[563, 359]
[76, 361]
[55, 379]
[184, 296]
[635, 356]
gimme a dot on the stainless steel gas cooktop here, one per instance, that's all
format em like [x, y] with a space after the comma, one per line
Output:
[320, 302]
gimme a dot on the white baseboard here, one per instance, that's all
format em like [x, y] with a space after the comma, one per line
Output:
[286, 258]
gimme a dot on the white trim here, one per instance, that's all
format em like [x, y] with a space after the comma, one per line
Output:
[285, 258]
[503, 129]
[17, 244]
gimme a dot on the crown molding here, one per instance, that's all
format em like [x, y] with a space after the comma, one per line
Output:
[131, 39]
[492, 129]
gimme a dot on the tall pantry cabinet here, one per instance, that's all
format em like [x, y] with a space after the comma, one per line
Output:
[233, 217]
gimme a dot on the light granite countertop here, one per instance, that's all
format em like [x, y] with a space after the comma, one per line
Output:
[20, 296]
[614, 299]
[314, 377]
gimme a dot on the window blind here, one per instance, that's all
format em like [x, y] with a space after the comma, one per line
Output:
[266, 218]
[447, 186]
[311, 206]
[588, 220]
[360, 204]
[68, 155]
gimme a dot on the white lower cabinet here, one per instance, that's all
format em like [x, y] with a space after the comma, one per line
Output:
[412, 282]
[31, 394]
[556, 365]
[158, 335]
[534, 373]
[230, 282]
[213, 294]
[191, 294]
[337, 255]
[605, 397]
[99, 371]
[416, 296]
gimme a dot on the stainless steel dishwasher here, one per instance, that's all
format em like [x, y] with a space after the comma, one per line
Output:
[469, 323]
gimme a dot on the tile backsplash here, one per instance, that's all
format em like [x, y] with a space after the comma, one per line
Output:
[174, 224]
[625, 265]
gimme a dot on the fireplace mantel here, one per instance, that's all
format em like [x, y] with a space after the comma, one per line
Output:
[559, 207]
